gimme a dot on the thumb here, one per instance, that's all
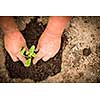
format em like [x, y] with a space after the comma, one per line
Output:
[37, 48]
[38, 57]
[26, 48]
[14, 58]
[21, 58]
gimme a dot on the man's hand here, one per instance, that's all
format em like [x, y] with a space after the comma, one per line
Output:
[13, 39]
[14, 43]
[49, 42]
[47, 47]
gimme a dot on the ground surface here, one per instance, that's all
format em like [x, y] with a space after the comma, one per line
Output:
[80, 55]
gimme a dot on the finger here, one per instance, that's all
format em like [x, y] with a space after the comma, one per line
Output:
[26, 48]
[21, 58]
[14, 58]
[46, 58]
[37, 48]
[52, 55]
[38, 57]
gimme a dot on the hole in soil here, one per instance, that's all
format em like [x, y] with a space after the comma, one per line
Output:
[86, 51]
[41, 70]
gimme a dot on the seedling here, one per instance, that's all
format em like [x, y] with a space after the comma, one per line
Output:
[28, 55]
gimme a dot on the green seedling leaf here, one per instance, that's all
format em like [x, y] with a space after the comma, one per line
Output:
[28, 62]
[27, 52]
[34, 55]
[31, 51]
[22, 51]
[28, 55]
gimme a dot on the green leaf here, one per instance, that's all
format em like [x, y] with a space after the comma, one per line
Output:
[31, 51]
[28, 55]
[27, 52]
[28, 62]
[23, 51]
[34, 55]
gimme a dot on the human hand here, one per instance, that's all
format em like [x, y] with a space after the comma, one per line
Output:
[49, 42]
[48, 46]
[13, 44]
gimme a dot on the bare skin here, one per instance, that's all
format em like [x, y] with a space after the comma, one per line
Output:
[13, 39]
[48, 44]
[50, 40]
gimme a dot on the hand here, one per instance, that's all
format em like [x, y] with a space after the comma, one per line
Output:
[14, 43]
[47, 47]
[49, 42]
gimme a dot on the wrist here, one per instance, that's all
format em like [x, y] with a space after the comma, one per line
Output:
[13, 35]
[8, 25]
[56, 25]
[52, 33]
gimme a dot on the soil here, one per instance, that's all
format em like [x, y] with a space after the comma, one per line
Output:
[42, 69]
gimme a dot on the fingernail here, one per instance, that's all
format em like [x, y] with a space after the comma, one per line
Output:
[36, 50]
[34, 62]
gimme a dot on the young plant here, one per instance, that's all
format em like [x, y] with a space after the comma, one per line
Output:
[28, 55]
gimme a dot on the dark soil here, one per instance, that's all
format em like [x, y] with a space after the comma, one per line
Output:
[41, 70]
